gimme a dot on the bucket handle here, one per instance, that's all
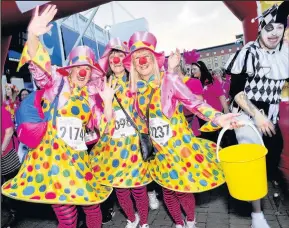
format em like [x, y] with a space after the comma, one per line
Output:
[227, 128]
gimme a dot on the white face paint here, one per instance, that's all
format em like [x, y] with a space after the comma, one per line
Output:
[271, 35]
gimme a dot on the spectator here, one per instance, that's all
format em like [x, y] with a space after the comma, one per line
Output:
[22, 94]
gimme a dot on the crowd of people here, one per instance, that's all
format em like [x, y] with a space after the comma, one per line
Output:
[126, 125]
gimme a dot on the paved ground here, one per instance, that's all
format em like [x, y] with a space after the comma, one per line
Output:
[215, 209]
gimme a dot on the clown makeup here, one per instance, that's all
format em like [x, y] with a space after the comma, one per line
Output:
[196, 71]
[115, 62]
[80, 75]
[271, 35]
[143, 63]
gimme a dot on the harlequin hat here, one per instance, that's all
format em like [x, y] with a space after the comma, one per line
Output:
[82, 56]
[275, 14]
[113, 44]
[143, 40]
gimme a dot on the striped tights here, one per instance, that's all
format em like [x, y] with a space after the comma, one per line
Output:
[67, 216]
[174, 201]
[142, 202]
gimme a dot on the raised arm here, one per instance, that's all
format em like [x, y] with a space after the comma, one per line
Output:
[34, 53]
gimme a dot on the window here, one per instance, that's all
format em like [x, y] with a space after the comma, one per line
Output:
[238, 48]
[216, 58]
[201, 56]
[208, 54]
[223, 57]
[214, 52]
[222, 51]
[216, 64]
[230, 49]
[209, 66]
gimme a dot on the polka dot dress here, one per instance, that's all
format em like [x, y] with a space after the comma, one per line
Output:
[183, 162]
[117, 162]
[54, 173]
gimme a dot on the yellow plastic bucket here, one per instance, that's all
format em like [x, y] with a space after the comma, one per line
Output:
[244, 167]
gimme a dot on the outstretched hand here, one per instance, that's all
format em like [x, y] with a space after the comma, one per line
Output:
[108, 90]
[39, 23]
[229, 120]
[174, 60]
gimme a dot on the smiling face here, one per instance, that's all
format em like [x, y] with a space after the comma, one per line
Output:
[271, 35]
[115, 62]
[196, 72]
[143, 63]
[80, 75]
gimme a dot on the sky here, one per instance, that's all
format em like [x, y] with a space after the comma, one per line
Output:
[182, 24]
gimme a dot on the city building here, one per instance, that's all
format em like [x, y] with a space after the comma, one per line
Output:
[217, 56]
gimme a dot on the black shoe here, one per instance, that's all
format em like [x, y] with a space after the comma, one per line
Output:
[107, 217]
[11, 221]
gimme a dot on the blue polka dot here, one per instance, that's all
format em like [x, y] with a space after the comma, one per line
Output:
[80, 192]
[44, 105]
[142, 100]
[181, 108]
[115, 163]
[110, 177]
[112, 142]
[67, 190]
[133, 147]
[159, 113]
[81, 166]
[57, 157]
[178, 142]
[37, 167]
[203, 183]
[24, 175]
[135, 173]
[86, 198]
[30, 179]
[54, 170]
[161, 157]
[102, 174]
[104, 138]
[28, 191]
[119, 144]
[124, 154]
[42, 188]
[79, 175]
[85, 108]
[62, 198]
[196, 146]
[174, 175]
[186, 138]
[75, 110]
[75, 156]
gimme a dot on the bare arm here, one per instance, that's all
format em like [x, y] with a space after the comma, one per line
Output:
[243, 101]
[32, 42]
[224, 104]
[7, 137]
[262, 122]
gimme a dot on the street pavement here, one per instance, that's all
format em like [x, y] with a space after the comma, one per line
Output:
[215, 209]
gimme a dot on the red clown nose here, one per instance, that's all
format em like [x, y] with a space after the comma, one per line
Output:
[82, 73]
[116, 60]
[143, 60]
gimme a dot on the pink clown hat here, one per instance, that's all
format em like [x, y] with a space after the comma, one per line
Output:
[113, 44]
[143, 40]
[82, 56]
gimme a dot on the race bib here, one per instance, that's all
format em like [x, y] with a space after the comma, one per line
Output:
[70, 130]
[123, 127]
[160, 130]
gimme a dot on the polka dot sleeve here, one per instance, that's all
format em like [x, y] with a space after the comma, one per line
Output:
[41, 59]
[211, 114]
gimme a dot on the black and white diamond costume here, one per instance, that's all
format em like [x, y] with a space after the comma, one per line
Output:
[260, 73]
